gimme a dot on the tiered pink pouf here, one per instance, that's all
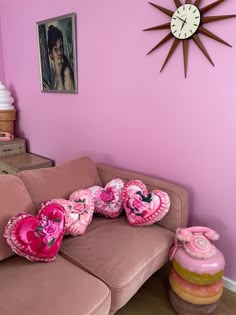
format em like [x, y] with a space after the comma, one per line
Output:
[196, 283]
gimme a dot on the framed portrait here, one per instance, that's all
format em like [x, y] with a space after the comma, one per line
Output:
[57, 54]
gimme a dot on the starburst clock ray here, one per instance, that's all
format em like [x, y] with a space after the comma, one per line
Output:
[186, 24]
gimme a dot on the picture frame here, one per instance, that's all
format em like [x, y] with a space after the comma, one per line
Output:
[57, 54]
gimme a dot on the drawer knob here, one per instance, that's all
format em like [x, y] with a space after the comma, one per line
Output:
[4, 172]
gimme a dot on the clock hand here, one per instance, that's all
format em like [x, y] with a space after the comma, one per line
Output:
[183, 25]
[184, 21]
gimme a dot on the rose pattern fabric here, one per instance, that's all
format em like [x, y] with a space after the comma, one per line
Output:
[143, 208]
[79, 210]
[107, 195]
[49, 230]
[108, 200]
[139, 207]
[37, 238]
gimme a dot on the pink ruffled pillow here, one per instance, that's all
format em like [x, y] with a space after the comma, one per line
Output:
[143, 208]
[79, 210]
[108, 200]
[37, 238]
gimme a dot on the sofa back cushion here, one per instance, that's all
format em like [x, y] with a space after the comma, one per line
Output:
[14, 198]
[59, 181]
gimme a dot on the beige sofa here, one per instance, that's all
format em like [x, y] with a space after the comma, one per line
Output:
[96, 273]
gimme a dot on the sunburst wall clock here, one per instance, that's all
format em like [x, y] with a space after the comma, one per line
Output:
[186, 24]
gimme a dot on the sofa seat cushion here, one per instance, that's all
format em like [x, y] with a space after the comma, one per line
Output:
[122, 256]
[57, 288]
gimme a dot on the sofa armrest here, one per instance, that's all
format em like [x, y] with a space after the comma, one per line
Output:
[178, 213]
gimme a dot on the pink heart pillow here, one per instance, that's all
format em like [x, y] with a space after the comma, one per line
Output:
[79, 210]
[143, 208]
[108, 200]
[37, 238]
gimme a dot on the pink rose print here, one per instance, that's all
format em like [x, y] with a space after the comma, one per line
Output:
[44, 221]
[137, 205]
[107, 195]
[79, 208]
[142, 207]
[49, 230]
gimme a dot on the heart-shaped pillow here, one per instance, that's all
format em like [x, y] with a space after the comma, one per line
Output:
[143, 208]
[79, 210]
[108, 200]
[37, 238]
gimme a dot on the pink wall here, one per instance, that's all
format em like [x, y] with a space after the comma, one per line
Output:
[2, 69]
[127, 113]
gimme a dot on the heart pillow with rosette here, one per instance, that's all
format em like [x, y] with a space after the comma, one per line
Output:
[79, 210]
[143, 208]
[108, 200]
[37, 238]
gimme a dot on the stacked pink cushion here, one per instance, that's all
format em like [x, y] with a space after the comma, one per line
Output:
[195, 278]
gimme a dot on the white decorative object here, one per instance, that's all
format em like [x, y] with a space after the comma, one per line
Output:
[6, 100]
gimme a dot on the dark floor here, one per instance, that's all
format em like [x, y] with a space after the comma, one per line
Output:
[152, 298]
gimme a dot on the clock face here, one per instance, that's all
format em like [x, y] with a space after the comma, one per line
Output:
[185, 21]
[187, 24]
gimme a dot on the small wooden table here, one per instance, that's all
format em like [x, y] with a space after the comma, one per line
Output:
[24, 161]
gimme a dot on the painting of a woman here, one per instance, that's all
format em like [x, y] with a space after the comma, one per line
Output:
[57, 54]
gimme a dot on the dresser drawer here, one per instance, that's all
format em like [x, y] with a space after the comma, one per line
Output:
[5, 169]
[12, 147]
